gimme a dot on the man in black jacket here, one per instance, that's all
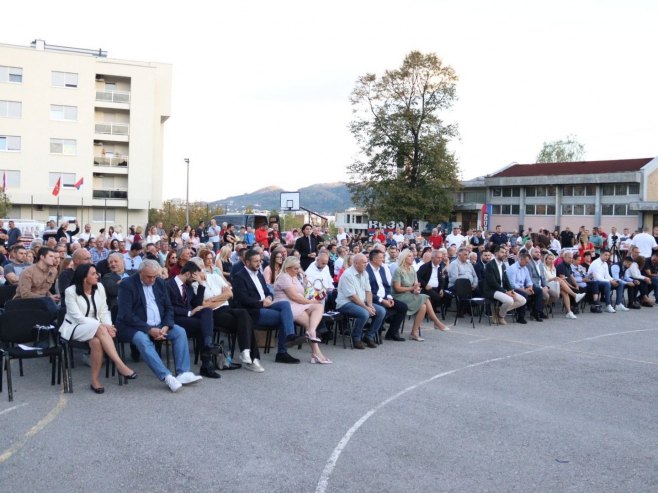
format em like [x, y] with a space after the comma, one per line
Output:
[190, 314]
[433, 279]
[496, 286]
[381, 294]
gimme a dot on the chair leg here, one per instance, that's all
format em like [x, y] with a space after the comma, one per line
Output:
[10, 390]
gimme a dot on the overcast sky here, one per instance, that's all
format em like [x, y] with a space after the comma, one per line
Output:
[260, 88]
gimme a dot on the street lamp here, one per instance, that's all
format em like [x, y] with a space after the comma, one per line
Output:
[187, 193]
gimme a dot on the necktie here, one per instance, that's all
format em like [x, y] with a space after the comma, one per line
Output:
[184, 293]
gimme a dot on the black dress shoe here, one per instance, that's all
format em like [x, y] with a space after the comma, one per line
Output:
[394, 337]
[285, 358]
[635, 305]
[134, 353]
[522, 321]
[537, 317]
[209, 372]
[543, 315]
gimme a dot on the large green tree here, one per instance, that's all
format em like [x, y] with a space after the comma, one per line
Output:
[405, 170]
[562, 151]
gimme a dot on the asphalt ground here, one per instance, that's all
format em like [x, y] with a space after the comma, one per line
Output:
[557, 406]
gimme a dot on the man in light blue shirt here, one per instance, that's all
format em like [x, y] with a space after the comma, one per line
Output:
[519, 277]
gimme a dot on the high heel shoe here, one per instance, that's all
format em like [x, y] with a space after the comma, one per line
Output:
[312, 339]
[444, 328]
[417, 338]
[132, 376]
[316, 360]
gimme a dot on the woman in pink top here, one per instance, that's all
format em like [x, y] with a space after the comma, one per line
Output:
[307, 313]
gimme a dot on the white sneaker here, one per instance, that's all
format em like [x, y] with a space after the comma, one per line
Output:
[255, 367]
[571, 315]
[609, 309]
[172, 383]
[621, 308]
[257, 363]
[580, 297]
[245, 357]
[188, 377]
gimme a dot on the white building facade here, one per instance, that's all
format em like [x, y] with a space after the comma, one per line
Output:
[75, 116]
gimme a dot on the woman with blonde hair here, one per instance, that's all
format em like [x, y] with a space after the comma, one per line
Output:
[225, 258]
[307, 313]
[406, 288]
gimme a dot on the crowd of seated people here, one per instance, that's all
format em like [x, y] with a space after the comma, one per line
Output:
[171, 286]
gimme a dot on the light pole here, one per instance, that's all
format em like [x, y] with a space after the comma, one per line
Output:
[187, 193]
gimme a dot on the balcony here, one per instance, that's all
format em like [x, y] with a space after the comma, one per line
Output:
[117, 193]
[120, 129]
[121, 161]
[113, 97]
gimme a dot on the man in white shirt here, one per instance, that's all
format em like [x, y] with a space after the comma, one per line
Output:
[319, 271]
[456, 238]
[398, 237]
[87, 235]
[645, 242]
[342, 235]
[598, 269]
[637, 275]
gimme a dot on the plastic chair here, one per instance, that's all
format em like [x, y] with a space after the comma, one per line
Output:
[464, 296]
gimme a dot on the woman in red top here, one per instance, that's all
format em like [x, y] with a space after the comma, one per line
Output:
[585, 246]
[262, 236]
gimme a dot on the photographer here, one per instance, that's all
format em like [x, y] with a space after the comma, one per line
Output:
[613, 245]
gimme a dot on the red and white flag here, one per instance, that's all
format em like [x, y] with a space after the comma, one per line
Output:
[79, 183]
[57, 186]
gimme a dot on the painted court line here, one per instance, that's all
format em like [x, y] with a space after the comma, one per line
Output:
[330, 465]
[12, 408]
[43, 422]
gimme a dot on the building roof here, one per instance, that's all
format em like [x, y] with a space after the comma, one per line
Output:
[575, 168]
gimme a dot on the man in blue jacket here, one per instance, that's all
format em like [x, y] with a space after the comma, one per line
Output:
[146, 315]
[381, 294]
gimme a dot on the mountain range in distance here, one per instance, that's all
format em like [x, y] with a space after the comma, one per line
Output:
[323, 198]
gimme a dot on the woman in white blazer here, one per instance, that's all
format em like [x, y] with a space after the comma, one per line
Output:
[88, 319]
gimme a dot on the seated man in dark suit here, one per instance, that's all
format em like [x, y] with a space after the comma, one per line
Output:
[190, 314]
[146, 315]
[496, 285]
[250, 292]
[433, 279]
[380, 286]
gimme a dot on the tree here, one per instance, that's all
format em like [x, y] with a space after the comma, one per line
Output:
[561, 151]
[174, 214]
[406, 171]
[5, 204]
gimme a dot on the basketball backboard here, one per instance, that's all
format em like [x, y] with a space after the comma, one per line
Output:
[290, 201]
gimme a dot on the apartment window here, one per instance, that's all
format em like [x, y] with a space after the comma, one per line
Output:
[62, 213]
[65, 79]
[13, 177]
[68, 179]
[578, 190]
[65, 113]
[506, 192]
[615, 210]
[578, 209]
[608, 189]
[63, 146]
[104, 214]
[11, 74]
[633, 189]
[10, 143]
[506, 209]
[540, 209]
[540, 191]
[11, 109]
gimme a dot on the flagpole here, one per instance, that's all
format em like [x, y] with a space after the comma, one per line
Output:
[58, 210]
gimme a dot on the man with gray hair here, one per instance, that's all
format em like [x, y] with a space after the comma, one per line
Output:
[146, 315]
[462, 269]
[355, 300]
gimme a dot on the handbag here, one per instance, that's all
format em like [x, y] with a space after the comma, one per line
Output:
[315, 290]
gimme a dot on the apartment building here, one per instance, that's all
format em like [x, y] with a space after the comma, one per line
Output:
[92, 123]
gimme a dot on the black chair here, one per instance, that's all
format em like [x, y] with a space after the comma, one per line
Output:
[7, 292]
[464, 296]
[22, 327]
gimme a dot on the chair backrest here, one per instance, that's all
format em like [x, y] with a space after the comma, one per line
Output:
[19, 326]
[463, 289]
[7, 292]
[37, 304]
[330, 302]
